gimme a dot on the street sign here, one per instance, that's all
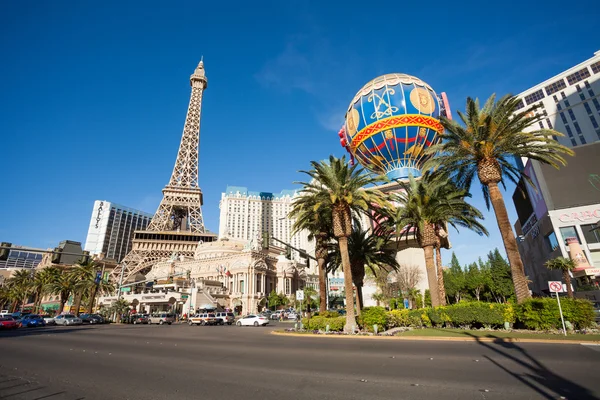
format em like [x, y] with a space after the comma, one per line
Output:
[299, 294]
[555, 286]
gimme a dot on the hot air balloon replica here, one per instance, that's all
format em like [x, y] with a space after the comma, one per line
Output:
[390, 122]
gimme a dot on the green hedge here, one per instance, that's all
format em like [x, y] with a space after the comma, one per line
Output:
[370, 316]
[336, 324]
[543, 314]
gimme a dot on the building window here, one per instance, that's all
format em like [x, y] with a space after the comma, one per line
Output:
[533, 97]
[582, 139]
[577, 128]
[591, 233]
[551, 241]
[569, 131]
[596, 104]
[564, 119]
[587, 108]
[595, 67]
[288, 288]
[555, 99]
[549, 123]
[573, 142]
[571, 114]
[578, 88]
[582, 96]
[541, 124]
[578, 76]
[569, 232]
[594, 122]
[555, 87]
[520, 104]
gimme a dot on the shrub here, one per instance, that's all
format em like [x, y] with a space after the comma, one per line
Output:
[543, 313]
[329, 314]
[370, 316]
[398, 318]
[336, 324]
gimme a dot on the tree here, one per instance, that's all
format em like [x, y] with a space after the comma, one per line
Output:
[345, 190]
[274, 299]
[20, 287]
[427, 205]
[41, 284]
[455, 280]
[501, 284]
[476, 280]
[371, 250]
[64, 287]
[84, 277]
[408, 277]
[319, 226]
[565, 265]
[484, 147]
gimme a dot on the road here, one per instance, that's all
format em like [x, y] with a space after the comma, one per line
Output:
[229, 362]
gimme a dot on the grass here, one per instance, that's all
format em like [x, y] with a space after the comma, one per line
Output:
[433, 332]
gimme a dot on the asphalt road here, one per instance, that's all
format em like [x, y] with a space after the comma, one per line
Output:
[229, 362]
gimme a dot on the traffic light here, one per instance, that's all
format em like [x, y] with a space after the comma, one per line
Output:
[265, 240]
[56, 255]
[85, 258]
[4, 252]
[288, 253]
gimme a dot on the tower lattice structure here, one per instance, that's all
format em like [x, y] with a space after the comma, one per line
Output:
[177, 226]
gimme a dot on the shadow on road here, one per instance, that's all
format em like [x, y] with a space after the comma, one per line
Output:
[537, 372]
[42, 331]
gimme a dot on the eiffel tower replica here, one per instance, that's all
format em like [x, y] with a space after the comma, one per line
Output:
[177, 226]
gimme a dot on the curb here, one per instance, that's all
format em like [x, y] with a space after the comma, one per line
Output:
[438, 338]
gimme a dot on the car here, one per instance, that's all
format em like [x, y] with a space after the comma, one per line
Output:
[31, 321]
[276, 315]
[251, 319]
[204, 319]
[8, 323]
[48, 320]
[101, 319]
[90, 319]
[292, 315]
[225, 317]
[161, 318]
[67, 319]
[139, 319]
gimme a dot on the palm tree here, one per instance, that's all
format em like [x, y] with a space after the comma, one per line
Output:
[371, 250]
[64, 287]
[565, 265]
[319, 227]
[102, 287]
[341, 188]
[84, 276]
[425, 206]
[20, 284]
[485, 147]
[41, 283]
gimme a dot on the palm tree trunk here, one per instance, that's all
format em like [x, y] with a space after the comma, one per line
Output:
[567, 279]
[322, 286]
[350, 317]
[510, 244]
[431, 276]
[77, 305]
[61, 308]
[359, 300]
[440, 276]
[92, 299]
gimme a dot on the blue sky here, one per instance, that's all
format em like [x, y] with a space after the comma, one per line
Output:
[93, 98]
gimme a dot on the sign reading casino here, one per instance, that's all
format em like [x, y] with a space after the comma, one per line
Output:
[591, 214]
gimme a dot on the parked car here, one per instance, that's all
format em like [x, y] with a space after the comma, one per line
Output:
[225, 317]
[31, 321]
[252, 319]
[292, 315]
[48, 319]
[276, 315]
[161, 318]
[140, 319]
[90, 319]
[67, 319]
[8, 323]
[101, 318]
[204, 319]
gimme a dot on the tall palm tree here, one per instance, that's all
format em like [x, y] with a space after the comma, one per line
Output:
[485, 147]
[41, 283]
[565, 265]
[319, 226]
[341, 188]
[101, 287]
[425, 206]
[63, 287]
[372, 250]
[20, 284]
[84, 276]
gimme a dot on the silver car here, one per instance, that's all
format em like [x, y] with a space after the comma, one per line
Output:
[48, 320]
[67, 319]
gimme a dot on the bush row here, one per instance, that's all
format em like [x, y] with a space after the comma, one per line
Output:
[538, 314]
